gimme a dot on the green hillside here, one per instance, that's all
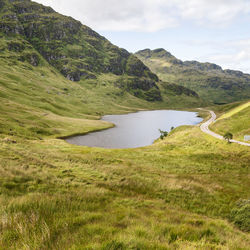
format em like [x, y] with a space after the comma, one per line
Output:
[188, 191]
[37, 35]
[209, 80]
[35, 32]
[32, 82]
[235, 121]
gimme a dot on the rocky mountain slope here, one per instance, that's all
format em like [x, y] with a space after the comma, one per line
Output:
[73, 49]
[33, 33]
[209, 80]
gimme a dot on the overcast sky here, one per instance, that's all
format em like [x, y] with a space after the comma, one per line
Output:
[206, 30]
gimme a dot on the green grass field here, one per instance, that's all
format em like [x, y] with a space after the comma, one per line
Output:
[178, 193]
[188, 191]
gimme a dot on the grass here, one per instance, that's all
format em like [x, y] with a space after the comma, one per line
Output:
[235, 111]
[179, 193]
[235, 121]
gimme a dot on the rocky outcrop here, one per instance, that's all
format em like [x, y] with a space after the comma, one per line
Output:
[135, 67]
[179, 90]
[32, 58]
[202, 66]
[16, 46]
[26, 6]
[140, 87]
[234, 73]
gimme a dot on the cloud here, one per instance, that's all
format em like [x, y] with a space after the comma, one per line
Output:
[213, 12]
[113, 15]
[149, 15]
[231, 55]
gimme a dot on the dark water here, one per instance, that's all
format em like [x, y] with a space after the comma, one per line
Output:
[135, 129]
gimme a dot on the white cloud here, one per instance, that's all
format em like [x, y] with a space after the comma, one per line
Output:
[213, 12]
[231, 55]
[149, 15]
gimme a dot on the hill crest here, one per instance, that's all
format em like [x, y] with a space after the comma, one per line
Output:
[209, 80]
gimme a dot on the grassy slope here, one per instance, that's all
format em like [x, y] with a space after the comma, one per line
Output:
[38, 101]
[235, 111]
[236, 121]
[178, 193]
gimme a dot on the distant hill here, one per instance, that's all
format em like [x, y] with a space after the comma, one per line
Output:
[209, 80]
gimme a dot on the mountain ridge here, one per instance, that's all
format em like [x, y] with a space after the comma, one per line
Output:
[230, 85]
[211, 66]
[32, 56]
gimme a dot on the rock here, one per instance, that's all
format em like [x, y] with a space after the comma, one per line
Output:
[9, 141]
[32, 58]
[16, 46]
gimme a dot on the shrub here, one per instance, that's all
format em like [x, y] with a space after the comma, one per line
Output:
[240, 215]
[163, 134]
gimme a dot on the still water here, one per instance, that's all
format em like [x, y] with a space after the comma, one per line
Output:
[135, 129]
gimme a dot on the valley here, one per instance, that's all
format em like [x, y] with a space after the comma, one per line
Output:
[58, 77]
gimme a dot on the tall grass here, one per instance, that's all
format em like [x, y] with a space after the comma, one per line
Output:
[179, 193]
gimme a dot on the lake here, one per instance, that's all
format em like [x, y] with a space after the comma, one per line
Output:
[135, 129]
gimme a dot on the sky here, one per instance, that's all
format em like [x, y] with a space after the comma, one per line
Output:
[216, 31]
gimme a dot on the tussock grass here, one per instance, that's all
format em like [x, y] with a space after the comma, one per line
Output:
[179, 193]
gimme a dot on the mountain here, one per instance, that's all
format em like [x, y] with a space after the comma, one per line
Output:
[53, 66]
[34, 34]
[209, 80]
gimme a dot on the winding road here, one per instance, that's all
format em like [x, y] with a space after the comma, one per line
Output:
[205, 128]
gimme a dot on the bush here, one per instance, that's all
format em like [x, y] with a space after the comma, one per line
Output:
[163, 134]
[240, 215]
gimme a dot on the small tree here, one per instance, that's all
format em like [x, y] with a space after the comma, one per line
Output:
[163, 134]
[172, 128]
[228, 136]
